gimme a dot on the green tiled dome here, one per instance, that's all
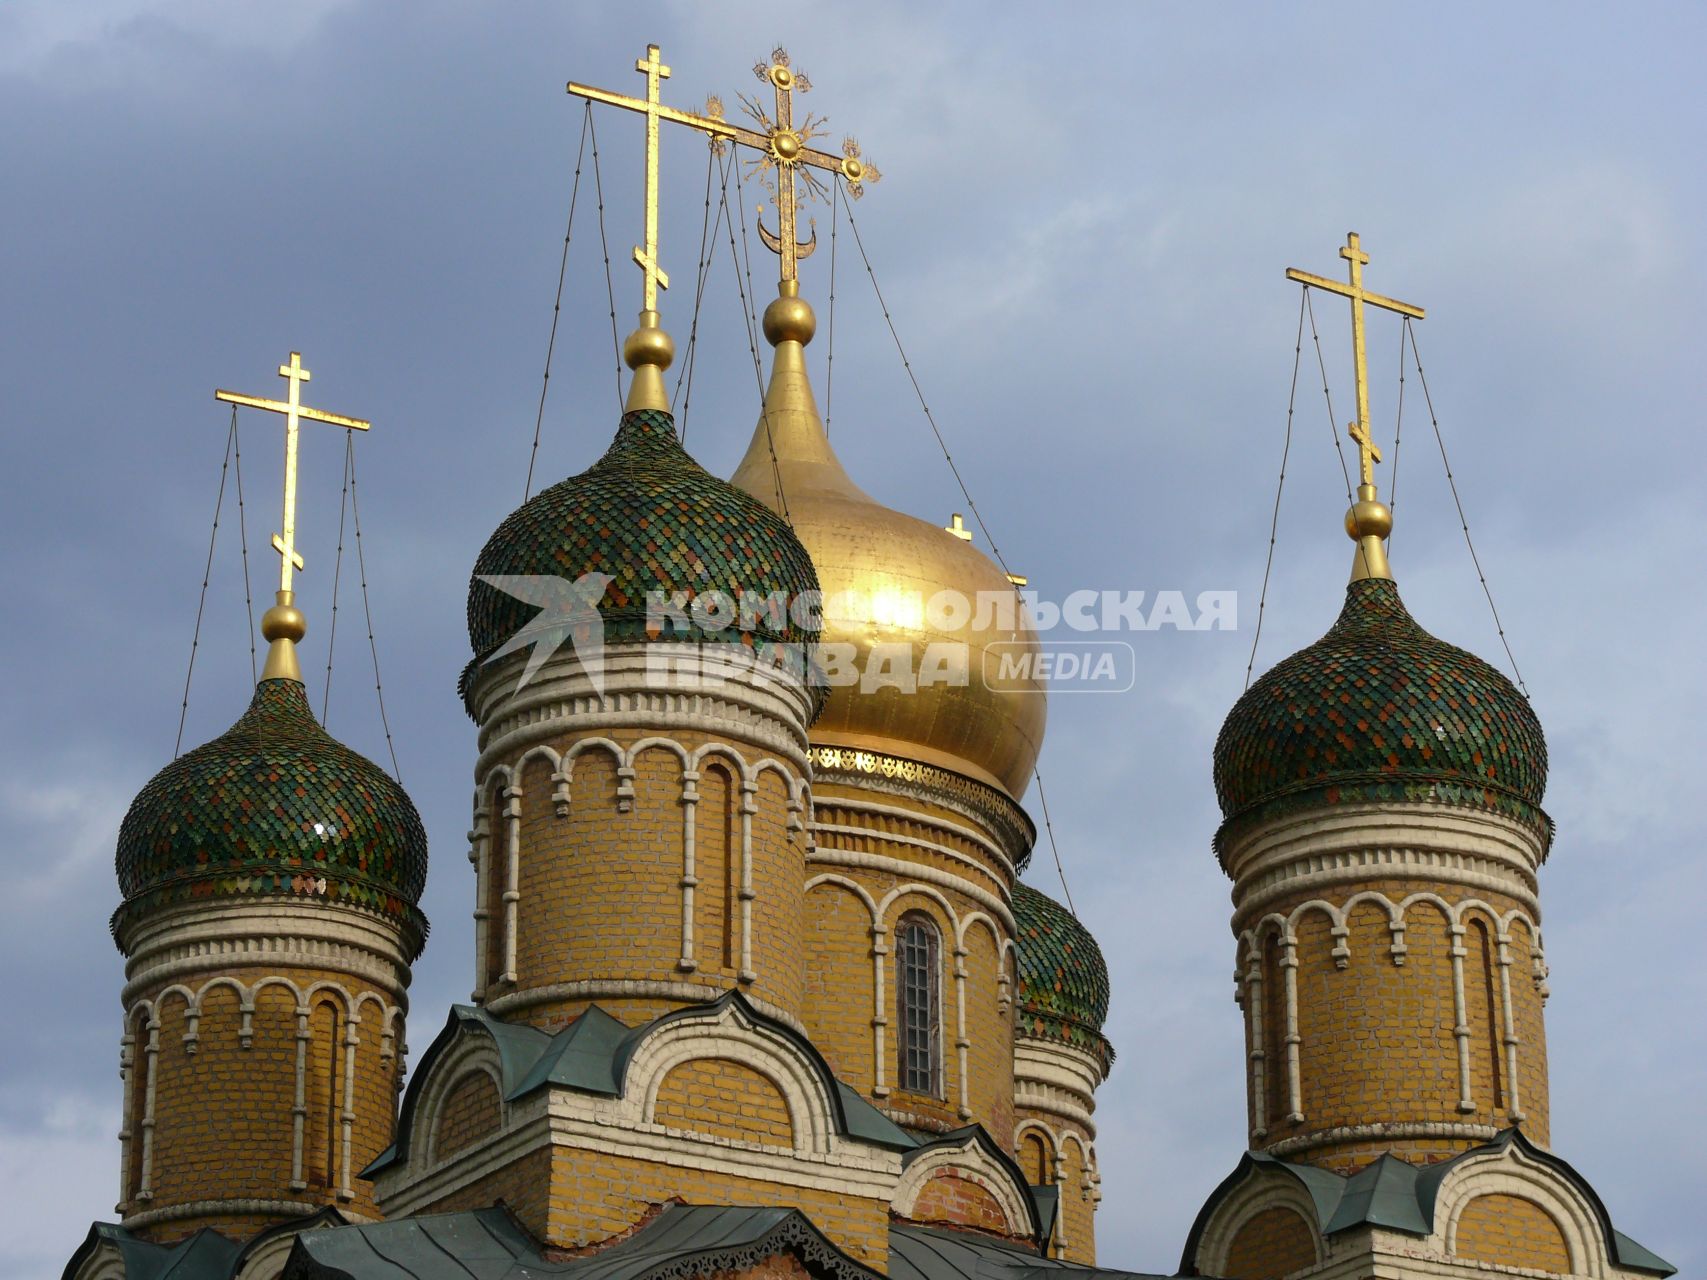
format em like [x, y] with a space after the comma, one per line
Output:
[1378, 709]
[1063, 979]
[653, 519]
[274, 805]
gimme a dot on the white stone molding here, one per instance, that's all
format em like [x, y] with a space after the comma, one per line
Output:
[931, 822]
[1261, 1190]
[832, 856]
[1056, 1079]
[594, 989]
[968, 1160]
[1254, 995]
[879, 948]
[470, 1055]
[480, 854]
[1514, 1172]
[104, 1262]
[712, 691]
[1318, 850]
[231, 1208]
[145, 1188]
[265, 932]
[1385, 1131]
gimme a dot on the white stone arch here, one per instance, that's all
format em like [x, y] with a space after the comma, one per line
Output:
[1395, 920]
[733, 1036]
[968, 1160]
[1512, 1171]
[1007, 975]
[1051, 1141]
[1292, 1081]
[472, 1052]
[854, 887]
[1337, 928]
[1261, 1189]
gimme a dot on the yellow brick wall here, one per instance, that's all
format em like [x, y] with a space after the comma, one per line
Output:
[1377, 1042]
[1037, 1154]
[601, 892]
[570, 1198]
[472, 1111]
[223, 1114]
[1513, 1232]
[839, 967]
[1274, 1243]
[726, 1099]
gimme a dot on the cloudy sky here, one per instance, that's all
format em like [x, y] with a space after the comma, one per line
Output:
[1081, 231]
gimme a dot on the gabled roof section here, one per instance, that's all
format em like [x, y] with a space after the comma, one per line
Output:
[1399, 1196]
[941, 1253]
[591, 1055]
[489, 1244]
[206, 1255]
[975, 1135]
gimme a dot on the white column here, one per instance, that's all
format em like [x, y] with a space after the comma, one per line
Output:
[749, 806]
[690, 873]
[879, 1016]
[962, 1046]
[1466, 1103]
[1514, 1105]
[512, 886]
[299, 1111]
[1294, 1082]
[145, 1183]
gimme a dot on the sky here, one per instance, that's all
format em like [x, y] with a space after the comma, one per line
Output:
[1080, 234]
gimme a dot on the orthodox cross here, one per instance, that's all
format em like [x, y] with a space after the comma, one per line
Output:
[294, 411]
[1368, 454]
[652, 67]
[781, 145]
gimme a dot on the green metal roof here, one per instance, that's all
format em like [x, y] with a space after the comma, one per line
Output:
[275, 805]
[489, 1244]
[652, 519]
[1063, 978]
[1399, 1196]
[1378, 709]
[941, 1253]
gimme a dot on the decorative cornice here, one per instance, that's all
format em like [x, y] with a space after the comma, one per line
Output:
[991, 808]
[629, 989]
[269, 934]
[1440, 1131]
[723, 697]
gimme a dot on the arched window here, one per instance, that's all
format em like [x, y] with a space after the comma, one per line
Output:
[918, 985]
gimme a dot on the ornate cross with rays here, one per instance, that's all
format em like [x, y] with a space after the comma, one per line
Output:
[784, 156]
[294, 411]
[781, 146]
[1368, 453]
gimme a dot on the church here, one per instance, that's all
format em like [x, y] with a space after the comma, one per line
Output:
[756, 990]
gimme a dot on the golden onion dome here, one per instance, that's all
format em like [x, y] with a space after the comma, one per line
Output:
[896, 590]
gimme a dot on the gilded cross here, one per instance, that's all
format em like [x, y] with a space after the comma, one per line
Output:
[1368, 454]
[294, 411]
[782, 147]
[958, 528]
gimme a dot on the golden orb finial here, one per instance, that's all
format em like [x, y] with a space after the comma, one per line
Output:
[283, 626]
[1367, 523]
[789, 318]
[648, 351]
